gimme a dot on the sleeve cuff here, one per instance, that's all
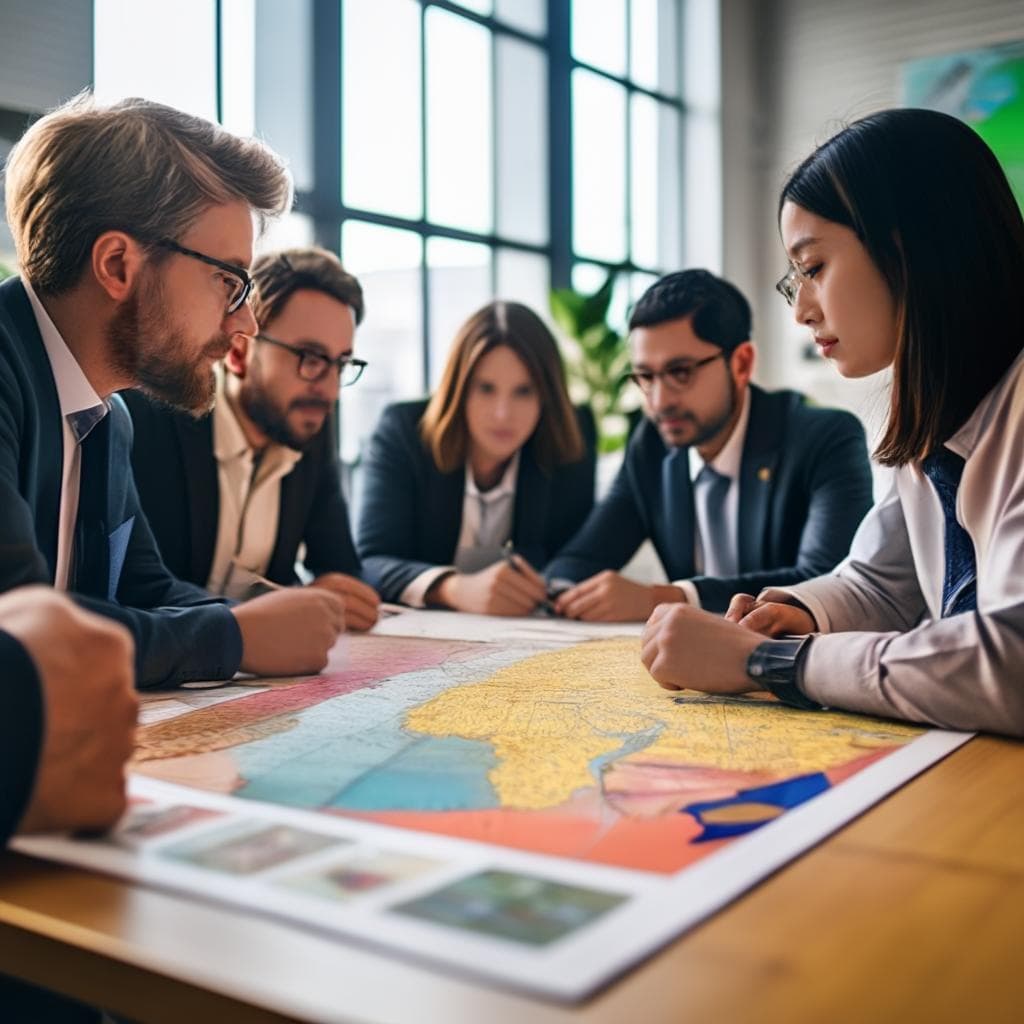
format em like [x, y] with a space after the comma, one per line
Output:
[689, 590]
[415, 594]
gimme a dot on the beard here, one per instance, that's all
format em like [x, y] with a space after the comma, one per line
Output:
[704, 428]
[269, 417]
[145, 348]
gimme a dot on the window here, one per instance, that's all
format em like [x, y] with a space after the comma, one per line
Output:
[451, 152]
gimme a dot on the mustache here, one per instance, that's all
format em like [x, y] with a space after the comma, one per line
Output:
[310, 403]
[674, 414]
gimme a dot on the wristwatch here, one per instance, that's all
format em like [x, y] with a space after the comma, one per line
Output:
[775, 665]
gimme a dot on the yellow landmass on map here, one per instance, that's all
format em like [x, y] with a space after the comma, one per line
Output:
[549, 715]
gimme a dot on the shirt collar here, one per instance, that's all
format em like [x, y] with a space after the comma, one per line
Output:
[506, 486]
[229, 440]
[80, 406]
[728, 461]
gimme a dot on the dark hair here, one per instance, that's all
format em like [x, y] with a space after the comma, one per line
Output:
[721, 315]
[930, 203]
[557, 438]
[277, 276]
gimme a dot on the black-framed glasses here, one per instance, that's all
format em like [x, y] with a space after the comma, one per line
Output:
[314, 366]
[678, 375]
[789, 284]
[238, 283]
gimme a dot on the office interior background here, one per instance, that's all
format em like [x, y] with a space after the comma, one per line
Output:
[452, 152]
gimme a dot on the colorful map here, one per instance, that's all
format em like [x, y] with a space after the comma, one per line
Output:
[574, 753]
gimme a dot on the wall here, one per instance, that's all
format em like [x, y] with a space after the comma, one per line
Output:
[818, 63]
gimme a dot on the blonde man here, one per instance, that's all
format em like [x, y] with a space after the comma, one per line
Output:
[134, 226]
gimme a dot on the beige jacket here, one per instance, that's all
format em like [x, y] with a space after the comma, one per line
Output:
[886, 650]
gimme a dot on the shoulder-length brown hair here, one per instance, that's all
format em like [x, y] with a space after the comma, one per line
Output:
[556, 439]
[930, 203]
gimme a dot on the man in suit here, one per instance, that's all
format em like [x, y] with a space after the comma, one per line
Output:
[231, 496]
[134, 230]
[736, 487]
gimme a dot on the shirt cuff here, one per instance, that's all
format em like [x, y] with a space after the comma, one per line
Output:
[690, 592]
[415, 594]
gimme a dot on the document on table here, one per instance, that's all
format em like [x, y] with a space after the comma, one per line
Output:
[537, 631]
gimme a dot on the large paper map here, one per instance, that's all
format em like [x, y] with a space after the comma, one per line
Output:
[530, 806]
[572, 752]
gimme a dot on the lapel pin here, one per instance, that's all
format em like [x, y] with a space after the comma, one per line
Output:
[764, 474]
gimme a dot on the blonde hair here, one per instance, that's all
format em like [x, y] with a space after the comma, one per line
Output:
[134, 166]
[557, 439]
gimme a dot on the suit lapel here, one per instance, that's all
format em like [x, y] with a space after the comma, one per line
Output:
[51, 441]
[531, 510]
[757, 477]
[201, 486]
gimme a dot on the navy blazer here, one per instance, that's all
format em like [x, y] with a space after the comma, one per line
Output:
[180, 632]
[411, 513]
[176, 475]
[805, 484]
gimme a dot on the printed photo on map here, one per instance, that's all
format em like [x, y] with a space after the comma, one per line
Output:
[534, 911]
[146, 821]
[359, 875]
[248, 847]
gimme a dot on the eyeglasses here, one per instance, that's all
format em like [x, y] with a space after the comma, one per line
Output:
[791, 281]
[238, 284]
[677, 375]
[313, 366]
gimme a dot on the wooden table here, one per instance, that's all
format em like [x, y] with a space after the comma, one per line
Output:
[915, 912]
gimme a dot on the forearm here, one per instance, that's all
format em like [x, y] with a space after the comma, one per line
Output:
[959, 673]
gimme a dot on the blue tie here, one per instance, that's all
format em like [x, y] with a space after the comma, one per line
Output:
[712, 488]
[959, 585]
[677, 499]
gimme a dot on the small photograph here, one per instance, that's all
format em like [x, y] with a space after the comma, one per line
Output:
[523, 908]
[249, 847]
[361, 874]
[147, 821]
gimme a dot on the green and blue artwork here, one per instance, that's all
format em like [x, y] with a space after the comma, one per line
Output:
[985, 88]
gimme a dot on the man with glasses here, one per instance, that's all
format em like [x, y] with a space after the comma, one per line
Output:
[134, 225]
[231, 497]
[737, 488]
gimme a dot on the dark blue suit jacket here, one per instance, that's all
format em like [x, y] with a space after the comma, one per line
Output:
[411, 512]
[805, 485]
[180, 632]
[176, 475]
[21, 732]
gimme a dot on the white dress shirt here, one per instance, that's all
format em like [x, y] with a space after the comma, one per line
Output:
[75, 394]
[250, 501]
[887, 650]
[727, 463]
[486, 525]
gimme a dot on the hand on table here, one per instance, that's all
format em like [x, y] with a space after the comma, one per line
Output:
[362, 602]
[609, 597]
[500, 589]
[289, 632]
[686, 648]
[86, 671]
[771, 613]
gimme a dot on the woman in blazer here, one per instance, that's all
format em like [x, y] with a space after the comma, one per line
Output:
[465, 493]
[906, 250]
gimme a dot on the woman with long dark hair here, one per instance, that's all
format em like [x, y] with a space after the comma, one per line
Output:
[906, 250]
[466, 493]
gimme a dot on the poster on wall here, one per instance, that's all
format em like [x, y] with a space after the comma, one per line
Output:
[983, 87]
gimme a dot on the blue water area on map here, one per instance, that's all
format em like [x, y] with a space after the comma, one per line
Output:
[446, 774]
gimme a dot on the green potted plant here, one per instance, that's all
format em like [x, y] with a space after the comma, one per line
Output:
[599, 360]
